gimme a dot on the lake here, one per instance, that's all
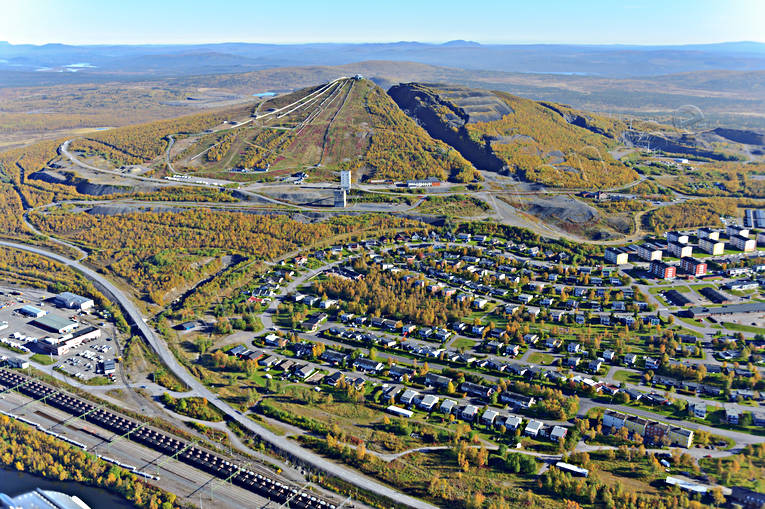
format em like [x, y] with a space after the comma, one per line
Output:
[15, 483]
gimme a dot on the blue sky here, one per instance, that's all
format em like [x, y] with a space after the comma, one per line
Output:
[296, 21]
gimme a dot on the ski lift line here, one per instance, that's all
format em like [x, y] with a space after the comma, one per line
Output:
[334, 88]
[320, 91]
[315, 92]
[311, 101]
[305, 98]
[318, 111]
[313, 115]
[331, 120]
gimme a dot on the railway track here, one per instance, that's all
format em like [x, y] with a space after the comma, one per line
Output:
[164, 443]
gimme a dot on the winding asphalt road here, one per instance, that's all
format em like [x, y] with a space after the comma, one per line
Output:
[159, 346]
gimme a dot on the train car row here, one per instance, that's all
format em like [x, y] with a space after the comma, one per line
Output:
[166, 444]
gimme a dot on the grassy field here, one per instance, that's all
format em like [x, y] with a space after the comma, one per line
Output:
[679, 288]
[738, 470]
[463, 343]
[689, 321]
[626, 376]
[46, 360]
[743, 328]
[540, 358]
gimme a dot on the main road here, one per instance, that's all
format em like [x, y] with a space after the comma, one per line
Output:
[159, 346]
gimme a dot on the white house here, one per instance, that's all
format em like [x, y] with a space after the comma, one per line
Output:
[408, 397]
[533, 428]
[447, 407]
[428, 402]
[699, 410]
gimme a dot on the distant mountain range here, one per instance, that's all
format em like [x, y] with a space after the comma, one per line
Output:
[30, 65]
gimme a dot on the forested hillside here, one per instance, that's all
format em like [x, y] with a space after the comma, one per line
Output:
[541, 142]
[158, 251]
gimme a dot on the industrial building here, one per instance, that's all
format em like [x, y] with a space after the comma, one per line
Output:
[31, 311]
[340, 198]
[64, 344]
[55, 323]
[423, 183]
[17, 363]
[42, 498]
[345, 180]
[749, 307]
[73, 301]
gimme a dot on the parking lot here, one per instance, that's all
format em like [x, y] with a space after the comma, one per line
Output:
[20, 338]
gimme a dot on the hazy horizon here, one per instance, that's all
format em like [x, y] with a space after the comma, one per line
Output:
[589, 22]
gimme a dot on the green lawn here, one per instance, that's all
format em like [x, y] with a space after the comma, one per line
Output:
[702, 286]
[689, 321]
[46, 360]
[743, 328]
[683, 330]
[679, 288]
[463, 343]
[540, 358]
[627, 376]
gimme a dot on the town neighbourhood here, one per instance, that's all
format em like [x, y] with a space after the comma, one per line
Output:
[517, 339]
[352, 273]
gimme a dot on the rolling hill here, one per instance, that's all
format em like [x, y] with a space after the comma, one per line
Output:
[541, 142]
[347, 123]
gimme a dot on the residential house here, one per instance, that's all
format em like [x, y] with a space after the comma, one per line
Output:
[407, 398]
[428, 402]
[558, 433]
[732, 415]
[475, 390]
[448, 406]
[488, 417]
[519, 400]
[512, 422]
[368, 365]
[533, 428]
[438, 381]
[699, 410]
[469, 413]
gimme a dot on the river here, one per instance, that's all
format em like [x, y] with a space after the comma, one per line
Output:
[14, 483]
